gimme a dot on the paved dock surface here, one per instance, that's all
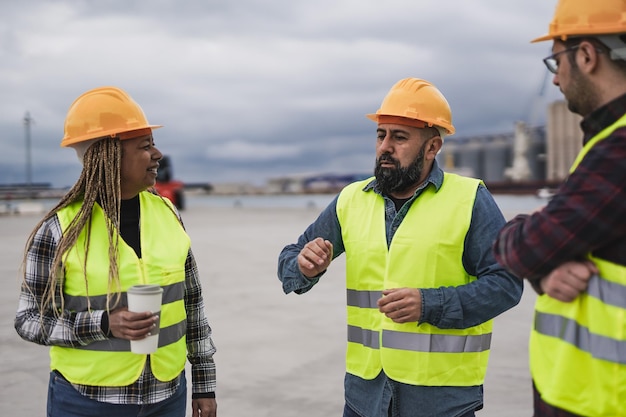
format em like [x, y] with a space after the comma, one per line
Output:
[278, 355]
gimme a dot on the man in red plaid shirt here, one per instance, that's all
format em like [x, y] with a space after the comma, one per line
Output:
[573, 251]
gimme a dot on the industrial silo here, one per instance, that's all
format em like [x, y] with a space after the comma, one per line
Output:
[537, 154]
[447, 158]
[496, 158]
[470, 158]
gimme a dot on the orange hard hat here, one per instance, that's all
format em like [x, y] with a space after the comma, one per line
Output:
[101, 112]
[586, 18]
[416, 99]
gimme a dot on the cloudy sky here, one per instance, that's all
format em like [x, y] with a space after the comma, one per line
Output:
[254, 89]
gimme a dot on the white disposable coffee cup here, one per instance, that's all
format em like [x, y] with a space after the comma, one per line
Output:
[145, 298]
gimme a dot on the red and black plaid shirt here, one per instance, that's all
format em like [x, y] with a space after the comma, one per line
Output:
[586, 215]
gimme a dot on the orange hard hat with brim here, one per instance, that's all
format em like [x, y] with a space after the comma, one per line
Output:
[586, 18]
[416, 100]
[104, 112]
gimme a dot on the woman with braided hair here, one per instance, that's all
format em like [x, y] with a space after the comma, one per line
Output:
[98, 241]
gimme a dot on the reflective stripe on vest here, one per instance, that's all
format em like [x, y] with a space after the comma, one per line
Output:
[610, 293]
[167, 334]
[578, 349]
[110, 362]
[455, 357]
[442, 343]
[363, 299]
[364, 337]
[570, 331]
[418, 342]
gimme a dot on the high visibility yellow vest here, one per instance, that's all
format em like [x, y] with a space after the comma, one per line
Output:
[425, 252]
[164, 249]
[578, 349]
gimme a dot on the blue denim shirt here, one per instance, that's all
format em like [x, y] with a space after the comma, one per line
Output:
[494, 292]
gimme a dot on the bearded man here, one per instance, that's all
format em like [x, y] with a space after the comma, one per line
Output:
[422, 283]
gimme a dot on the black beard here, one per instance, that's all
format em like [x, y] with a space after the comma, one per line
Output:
[581, 96]
[398, 179]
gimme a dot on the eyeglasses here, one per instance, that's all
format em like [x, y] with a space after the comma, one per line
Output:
[552, 64]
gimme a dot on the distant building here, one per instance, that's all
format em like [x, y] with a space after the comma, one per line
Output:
[235, 188]
[563, 141]
[523, 160]
[512, 156]
[527, 154]
[312, 183]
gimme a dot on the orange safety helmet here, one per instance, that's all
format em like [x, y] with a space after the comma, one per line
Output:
[416, 99]
[586, 18]
[101, 112]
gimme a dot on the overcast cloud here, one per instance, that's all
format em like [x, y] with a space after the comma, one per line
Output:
[249, 90]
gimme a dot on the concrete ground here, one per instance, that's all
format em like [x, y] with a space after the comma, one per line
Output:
[278, 355]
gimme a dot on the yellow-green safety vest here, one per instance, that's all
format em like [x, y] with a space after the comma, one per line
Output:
[426, 252]
[578, 349]
[164, 248]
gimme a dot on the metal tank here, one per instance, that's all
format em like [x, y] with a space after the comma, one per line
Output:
[470, 158]
[537, 155]
[496, 158]
[447, 158]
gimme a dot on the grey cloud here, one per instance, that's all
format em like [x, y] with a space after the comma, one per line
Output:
[254, 89]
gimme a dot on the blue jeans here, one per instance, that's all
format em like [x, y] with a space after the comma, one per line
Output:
[65, 401]
[348, 412]
[384, 397]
